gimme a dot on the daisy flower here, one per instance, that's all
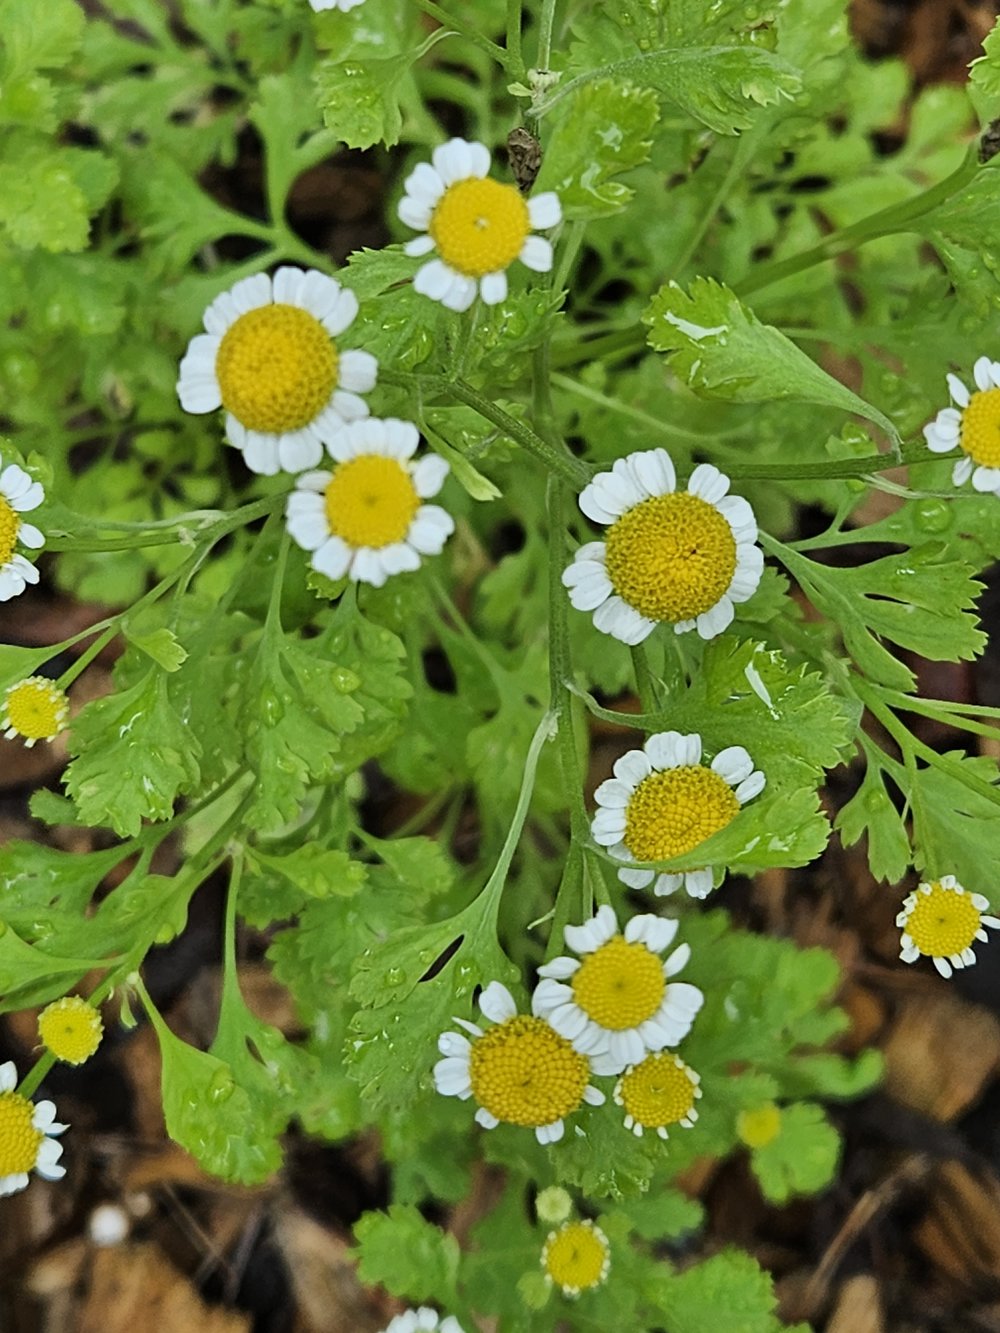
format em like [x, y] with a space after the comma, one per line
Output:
[270, 358]
[477, 225]
[423, 1319]
[664, 802]
[940, 920]
[680, 557]
[26, 1136]
[18, 495]
[35, 709]
[659, 1092]
[366, 518]
[71, 1029]
[576, 1258]
[974, 426]
[619, 1000]
[520, 1071]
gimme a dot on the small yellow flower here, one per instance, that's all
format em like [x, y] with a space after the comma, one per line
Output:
[973, 425]
[270, 357]
[577, 1257]
[620, 999]
[940, 920]
[35, 709]
[25, 1136]
[760, 1126]
[367, 517]
[664, 802]
[71, 1029]
[660, 1091]
[477, 225]
[684, 558]
[18, 495]
[520, 1071]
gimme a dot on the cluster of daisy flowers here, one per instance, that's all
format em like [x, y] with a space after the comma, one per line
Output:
[272, 357]
[615, 1008]
[70, 1029]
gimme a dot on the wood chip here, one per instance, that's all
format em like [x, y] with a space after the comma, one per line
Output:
[858, 1308]
[134, 1287]
[940, 1053]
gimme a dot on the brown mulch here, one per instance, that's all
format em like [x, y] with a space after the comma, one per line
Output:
[906, 1240]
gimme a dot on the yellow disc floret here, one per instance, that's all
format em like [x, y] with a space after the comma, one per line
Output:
[671, 557]
[760, 1126]
[71, 1029]
[479, 226]
[35, 708]
[19, 1139]
[576, 1257]
[980, 429]
[524, 1073]
[277, 368]
[10, 526]
[371, 501]
[660, 1091]
[672, 812]
[942, 922]
[619, 985]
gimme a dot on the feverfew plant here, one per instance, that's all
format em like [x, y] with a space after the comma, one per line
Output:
[539, 453]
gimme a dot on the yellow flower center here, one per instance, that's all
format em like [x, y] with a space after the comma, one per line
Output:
[524, 1073]
[576, 1257]
[371, 501]
[979, 434]
[71, 1029]
[671, 557]
[19, 1139]
[619, 985]
[759, 1127]
[672, 812]
[277, 368]
[658, 1092]
[10, 525]
[479, 226]
[942, 922]
[36, 708]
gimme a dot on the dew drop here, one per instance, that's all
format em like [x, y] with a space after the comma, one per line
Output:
[934, 516]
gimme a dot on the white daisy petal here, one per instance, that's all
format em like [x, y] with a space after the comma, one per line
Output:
[493, 288]
[536, 254]
[544, 210]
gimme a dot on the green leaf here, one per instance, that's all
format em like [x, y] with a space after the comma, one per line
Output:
[664, 1215]
[134, 757]
[962, 230]
[920, 599]
[37, 37]
[801, 1158]
[984, 79]
[956, 831]
[872, 811]
[407, 1255]
[48, 194]
[213, 1117]
[720, 348]
[30, 975]
[729, 1291]
[604, 130]
[160, 644]
[714, 84]
[361, 82]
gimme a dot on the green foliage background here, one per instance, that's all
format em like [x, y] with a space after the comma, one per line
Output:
[729, 215]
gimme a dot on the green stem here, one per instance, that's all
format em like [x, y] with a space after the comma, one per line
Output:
[561, 463]
[496, 53]
[546, 23]
[887, 221]
[645, 682]
[514, 25]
